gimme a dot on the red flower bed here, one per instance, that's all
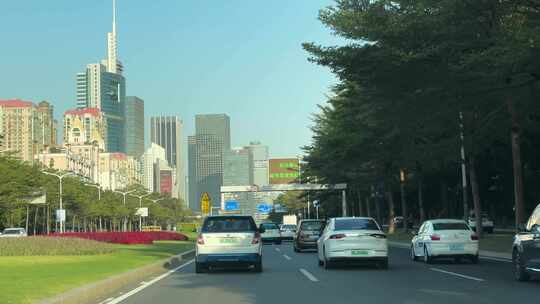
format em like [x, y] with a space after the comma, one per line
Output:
[126, 237]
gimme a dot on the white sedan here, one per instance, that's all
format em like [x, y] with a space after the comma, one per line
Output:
[444, 238]
[13, 233]
[350, 239]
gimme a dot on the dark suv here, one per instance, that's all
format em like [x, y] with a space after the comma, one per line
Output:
[526, 248]
[307, 234]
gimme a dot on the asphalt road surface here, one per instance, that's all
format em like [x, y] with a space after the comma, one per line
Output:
[291, 277]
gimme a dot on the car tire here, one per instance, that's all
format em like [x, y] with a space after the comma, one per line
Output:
[384, 264]
[321, 263]
[199, 268]
[475, 259]
[427, 258]
[490, 231]
[520, 274]
[258, 267]
[327, 264]
[414, 258]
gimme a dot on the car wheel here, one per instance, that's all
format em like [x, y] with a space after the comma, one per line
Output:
[259, 267]
[383, 264]
[457, 259]
[520, 273]
[327, 264]
[427, 258]
[490, 231]
[295, 248]
[414, 258]
[321, 263]
[199, 268]
[475, 259]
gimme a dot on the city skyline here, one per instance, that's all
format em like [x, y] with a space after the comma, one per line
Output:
[193, 91]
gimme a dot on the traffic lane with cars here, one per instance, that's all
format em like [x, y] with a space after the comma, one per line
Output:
[290, 277]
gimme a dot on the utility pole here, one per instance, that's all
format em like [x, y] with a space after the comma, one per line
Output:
[402, 180]
[124, 228]
[463, 170]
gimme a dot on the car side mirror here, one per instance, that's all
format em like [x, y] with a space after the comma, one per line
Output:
[521, 228]
[414, 232]
[262, 230]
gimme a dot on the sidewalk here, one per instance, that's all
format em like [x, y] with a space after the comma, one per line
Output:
[493, 255]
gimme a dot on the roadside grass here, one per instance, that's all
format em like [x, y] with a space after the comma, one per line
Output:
[192, 235]
[24, 279]
[491, 242]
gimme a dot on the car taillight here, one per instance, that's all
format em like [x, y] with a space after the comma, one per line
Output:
[256, 239]
[337, 236]
[435, 237]
[378, 235]
[200, 240]
[474, 237]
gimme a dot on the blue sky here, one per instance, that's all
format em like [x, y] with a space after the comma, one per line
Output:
[183, 57]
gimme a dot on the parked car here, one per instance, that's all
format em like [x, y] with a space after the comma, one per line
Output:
[526, 248]
[307, 234]
[13, 232]
[398, 222]
[487, 223]
[287, 231]
[349, 239]
[271, 233]
[228, 241]
[444, 238]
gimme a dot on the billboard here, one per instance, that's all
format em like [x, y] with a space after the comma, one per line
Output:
[165, 181]
[283, 170]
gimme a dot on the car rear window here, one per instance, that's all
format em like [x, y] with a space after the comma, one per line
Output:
[356, 224]
[289, 227]
[269, 226]
[229, 224]
[450, 226]
[311, 226]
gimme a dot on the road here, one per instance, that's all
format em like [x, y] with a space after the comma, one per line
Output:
[290, 277]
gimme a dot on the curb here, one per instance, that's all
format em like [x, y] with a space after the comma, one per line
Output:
[488, 255]
[91, 293]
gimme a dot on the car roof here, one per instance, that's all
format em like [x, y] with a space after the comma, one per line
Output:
[439, 221]
[353, 218]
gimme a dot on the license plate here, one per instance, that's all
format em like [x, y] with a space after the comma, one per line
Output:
[359, 252]
[457, 247]
[228, 241]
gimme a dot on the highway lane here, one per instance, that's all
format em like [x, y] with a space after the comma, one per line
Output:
[291, 277]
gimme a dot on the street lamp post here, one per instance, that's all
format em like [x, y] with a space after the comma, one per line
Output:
[140, 197]
[124, 195]
[98, 187]
[60, 178]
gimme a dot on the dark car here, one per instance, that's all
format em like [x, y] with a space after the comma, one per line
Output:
[307, 234]
[526, 248]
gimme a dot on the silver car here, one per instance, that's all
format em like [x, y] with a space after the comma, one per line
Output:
[13, 232]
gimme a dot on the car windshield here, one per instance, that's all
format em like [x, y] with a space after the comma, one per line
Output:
[450, 226]
[288, 227]
[269, 226]
[356, 224]
[311, 226]
[229, 224]
[12, 231]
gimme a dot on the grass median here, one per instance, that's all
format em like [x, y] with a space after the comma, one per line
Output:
[24, 279]
[491, 242]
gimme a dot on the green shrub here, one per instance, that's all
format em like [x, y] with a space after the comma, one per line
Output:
[52, 246]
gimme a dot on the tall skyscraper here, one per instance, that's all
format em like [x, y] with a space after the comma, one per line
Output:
[85, 126]
[259, 158]
[166, 131]
[102, 86]
[26, 128]
[213, 139]
[192, 173]
[134, 132]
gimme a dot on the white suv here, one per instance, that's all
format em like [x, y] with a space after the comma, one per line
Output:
[228, 241]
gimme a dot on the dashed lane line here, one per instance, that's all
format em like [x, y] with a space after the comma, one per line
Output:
[308, 275]
[457, 274]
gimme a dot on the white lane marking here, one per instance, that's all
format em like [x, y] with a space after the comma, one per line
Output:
[457, 275]
[136, 290]
[311, 277]
[278, 250]
[287, 257]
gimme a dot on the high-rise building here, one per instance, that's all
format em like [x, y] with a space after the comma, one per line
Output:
[158, 175]
[237, 168]
[47, 130]
[85, 126]
[102, 86]
[213, 139]
[24, 129]
[134, 133]
[166, 131]
[259, 158]
[192, 173]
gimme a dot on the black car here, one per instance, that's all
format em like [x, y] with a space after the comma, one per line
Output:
[526, 248]
[307, 234]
